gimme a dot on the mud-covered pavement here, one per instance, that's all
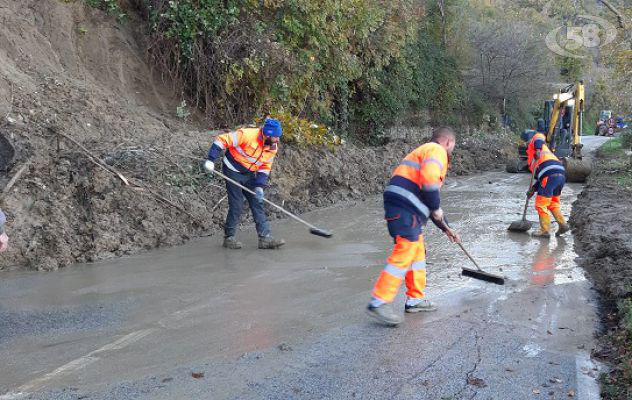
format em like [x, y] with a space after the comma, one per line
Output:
[199, 321]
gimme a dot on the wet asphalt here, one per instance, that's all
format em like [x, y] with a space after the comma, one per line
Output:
[202, 322]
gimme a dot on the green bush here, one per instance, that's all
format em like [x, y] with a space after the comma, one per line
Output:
[304, 132]
[626, 139]
[111, 7]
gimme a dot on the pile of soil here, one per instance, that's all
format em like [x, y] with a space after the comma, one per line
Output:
[602, 224]
[68, 69]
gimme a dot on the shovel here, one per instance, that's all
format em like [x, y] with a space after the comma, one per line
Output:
[314, 230]
[523, 225]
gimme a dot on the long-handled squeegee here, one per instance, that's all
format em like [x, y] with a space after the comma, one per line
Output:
[478, 273]
[314, 230]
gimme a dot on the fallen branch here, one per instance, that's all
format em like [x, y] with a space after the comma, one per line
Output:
[218, 203]
[14, 179]
[10, 103]
[616, 12]
[96, 160]
[136, 185]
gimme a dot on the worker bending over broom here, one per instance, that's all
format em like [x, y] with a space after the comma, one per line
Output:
[550, 178]
[410, 199]
[248, 161]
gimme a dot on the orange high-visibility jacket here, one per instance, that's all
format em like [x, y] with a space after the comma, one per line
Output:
[548, 163]
[245, 153]
[416, 181]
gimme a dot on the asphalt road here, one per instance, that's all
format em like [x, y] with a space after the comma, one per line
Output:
[202, 322]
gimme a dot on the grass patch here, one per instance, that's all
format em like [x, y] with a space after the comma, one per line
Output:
[612, 147]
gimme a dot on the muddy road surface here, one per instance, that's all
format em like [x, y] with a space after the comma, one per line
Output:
[203, 322]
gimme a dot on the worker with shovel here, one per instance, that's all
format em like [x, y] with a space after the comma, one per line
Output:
[410, 199]
[550, 178]
[248, 161]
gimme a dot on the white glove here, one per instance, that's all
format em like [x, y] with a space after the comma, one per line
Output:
[259, 194]
[209, 165]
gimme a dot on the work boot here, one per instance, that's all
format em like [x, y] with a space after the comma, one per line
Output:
[423, 305]
[562, 229]
[231, 243]
[268, 242]
[545, 226]
[541, 234]
[384, 314]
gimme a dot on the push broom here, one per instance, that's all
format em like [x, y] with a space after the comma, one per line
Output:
[477, 273]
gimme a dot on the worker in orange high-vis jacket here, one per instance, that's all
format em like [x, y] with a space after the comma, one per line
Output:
[550, 178]
[410, 199]
[248, 160]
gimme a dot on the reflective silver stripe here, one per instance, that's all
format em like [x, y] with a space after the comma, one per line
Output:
[435, 161]
[431, 188]
[264, 171]
[235, 138]
[396, 272]
[418, 266]
[229, 165]
[410, 163]
[219, 144]
[549, 168]
[410, 197]
[247, 157]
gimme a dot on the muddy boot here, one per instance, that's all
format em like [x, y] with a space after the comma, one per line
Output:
[545, 226]
[562, 229]
[419, 306]
[384, 314]
[231, 243]
[268, 242]
[561, 222]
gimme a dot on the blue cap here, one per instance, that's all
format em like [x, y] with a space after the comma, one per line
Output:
[272, 127]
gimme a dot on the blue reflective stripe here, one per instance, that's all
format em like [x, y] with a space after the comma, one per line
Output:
[396, 272]
[418, 266]
[413, 199]
[550, 168]
[431, 188]
[410, 163]
[435, 161]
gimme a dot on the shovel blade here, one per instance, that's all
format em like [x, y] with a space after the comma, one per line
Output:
[320, 232]
[483, 276]
[520, 226]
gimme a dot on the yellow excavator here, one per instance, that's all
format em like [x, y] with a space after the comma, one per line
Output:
[562, 122]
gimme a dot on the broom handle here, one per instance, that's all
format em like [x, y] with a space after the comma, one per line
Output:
[469, 256]
[264, 199]
[526, 203]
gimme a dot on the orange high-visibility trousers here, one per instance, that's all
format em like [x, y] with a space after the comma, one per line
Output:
[407, 261]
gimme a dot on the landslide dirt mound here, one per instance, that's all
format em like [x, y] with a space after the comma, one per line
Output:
[68, 69]
[602, 224]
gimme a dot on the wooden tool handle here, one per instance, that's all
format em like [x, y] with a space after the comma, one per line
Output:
[469, 256]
